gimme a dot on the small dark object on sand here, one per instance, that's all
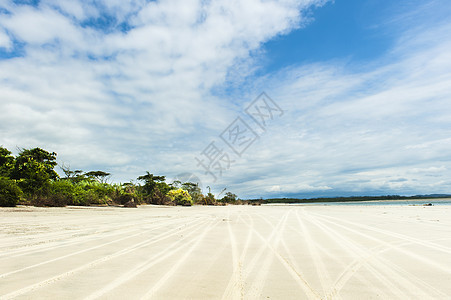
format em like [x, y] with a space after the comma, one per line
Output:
[130, 203]
[427, 204]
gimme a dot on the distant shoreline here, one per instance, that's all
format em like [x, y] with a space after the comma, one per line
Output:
[355, 199]
[415, 202]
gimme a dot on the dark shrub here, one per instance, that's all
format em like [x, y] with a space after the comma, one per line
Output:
[130, 203]
[49, 201]
[124, 198]
[160, 199]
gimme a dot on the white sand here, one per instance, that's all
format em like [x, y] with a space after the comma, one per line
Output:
[234, 252]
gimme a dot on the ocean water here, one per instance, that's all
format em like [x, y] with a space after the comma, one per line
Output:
[416, 202]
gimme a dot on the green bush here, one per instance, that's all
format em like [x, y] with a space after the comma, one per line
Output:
[180, 197]
[91, 192]
[10, 192]
[65, 192]
[62, 191]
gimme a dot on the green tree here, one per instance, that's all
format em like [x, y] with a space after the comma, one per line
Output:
[73, 176]
[99, 176]
[6, 162]
[163, 187]
[194, 191]
[229, 198]
[34, 168]
[176, 184]
[150, 182]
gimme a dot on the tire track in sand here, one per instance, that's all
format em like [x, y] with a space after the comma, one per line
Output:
[43, 243]
[96, 262]
[41, 239]
[379, 267]
[351, 270]
[235, 286]
[303, 284]
[290, 260]
[257, 286]
[321, 250]
[331, 292]
[321, 270]
[353, 249]
[147, 264]
[195, 243]
[393, 234]
[415, 256]
[87, 249]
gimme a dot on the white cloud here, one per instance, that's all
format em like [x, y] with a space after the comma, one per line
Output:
[139, 99]
[110, 98]
[5, 41]
[39, 26]
[363, 131]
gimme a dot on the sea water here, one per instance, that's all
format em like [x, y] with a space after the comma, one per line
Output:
[416, 202]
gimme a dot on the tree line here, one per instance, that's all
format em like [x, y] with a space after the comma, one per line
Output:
[30, 179]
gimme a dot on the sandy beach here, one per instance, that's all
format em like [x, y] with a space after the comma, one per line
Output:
[233, 252]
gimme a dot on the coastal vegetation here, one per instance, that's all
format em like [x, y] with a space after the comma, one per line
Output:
[30, 179]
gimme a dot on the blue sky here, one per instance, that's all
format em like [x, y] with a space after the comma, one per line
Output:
[129, 87]
[341, 29]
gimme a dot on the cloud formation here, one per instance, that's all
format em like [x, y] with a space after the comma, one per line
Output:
[373, 130]
[133, 86]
